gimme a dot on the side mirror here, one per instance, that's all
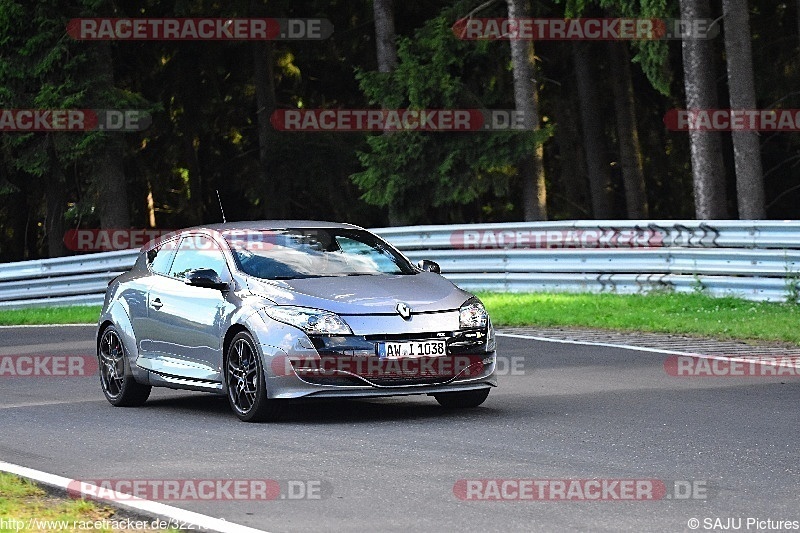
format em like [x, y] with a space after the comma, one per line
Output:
[429, 266]
[205, 277]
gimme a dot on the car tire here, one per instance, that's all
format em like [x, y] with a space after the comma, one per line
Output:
[116, 379]
[245, 382]
[462, 400]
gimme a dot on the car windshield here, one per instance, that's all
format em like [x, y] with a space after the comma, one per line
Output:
[313, 252]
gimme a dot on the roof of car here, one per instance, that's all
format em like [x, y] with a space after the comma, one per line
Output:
[273, 224]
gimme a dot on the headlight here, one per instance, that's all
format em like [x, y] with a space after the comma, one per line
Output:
[472, 314]
[310, 320]
[491, 341]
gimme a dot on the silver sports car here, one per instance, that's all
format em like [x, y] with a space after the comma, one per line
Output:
[270, 311]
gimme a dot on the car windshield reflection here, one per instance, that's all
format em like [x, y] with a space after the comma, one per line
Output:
[312, 253]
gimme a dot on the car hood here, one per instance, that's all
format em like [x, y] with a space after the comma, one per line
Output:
[359, 295]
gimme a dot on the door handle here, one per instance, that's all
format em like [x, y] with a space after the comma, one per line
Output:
[156, 304]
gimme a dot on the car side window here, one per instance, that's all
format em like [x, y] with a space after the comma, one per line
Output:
[199, 251]
[160, 258]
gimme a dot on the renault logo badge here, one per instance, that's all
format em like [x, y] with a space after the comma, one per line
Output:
[403, 310]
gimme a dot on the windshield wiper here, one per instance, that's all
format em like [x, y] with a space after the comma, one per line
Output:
[283, 278]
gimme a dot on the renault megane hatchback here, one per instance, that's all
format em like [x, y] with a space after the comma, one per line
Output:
[270, 311]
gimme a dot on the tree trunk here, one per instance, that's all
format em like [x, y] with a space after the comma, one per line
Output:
[274, 193]
[746, 146]
[272, 201]
[108, 178]
[191, 207]
[15, 225]
[526, 99]
[699, 80]
[55, 202]
[572, 187]
[386, 49]
[597, 169]
[630, 153]
[385, 35]
[108, 174]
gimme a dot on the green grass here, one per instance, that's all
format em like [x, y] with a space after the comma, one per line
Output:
[688, 314]
[692, 314]
[24, 506]
[21, 500]
[82, 314]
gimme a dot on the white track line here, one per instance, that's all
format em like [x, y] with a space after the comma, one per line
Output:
[126, 501]
[763, 360]
[605, 344]
[52, 402]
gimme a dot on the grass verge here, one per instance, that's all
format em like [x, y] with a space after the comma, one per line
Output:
[24, 506]
[79, 314]
[688, 314]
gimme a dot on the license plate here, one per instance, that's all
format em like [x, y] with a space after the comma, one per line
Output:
[395, 350]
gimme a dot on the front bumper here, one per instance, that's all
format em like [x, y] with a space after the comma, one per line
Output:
[297, 365]
[293, 386]
[349, 367]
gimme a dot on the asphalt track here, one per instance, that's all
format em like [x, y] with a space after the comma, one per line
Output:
[567, 412]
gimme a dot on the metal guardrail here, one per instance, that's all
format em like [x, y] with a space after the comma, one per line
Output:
[64, 266]
[750, 259]
[560, 234]
[74, 280]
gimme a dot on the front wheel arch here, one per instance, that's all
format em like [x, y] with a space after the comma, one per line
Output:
[245, 380]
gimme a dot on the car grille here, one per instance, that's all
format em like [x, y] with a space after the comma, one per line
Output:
[358, 371]
[464, 342]
[365, 348]
[341, 381]
[349, 381]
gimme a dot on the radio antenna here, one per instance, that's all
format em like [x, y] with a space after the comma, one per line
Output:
[220, 207]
